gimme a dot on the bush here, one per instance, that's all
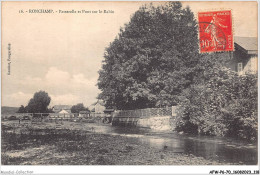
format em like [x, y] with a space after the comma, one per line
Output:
[224, 104]
[243, 114]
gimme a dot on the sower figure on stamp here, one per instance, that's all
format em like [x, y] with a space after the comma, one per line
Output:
[213, 30]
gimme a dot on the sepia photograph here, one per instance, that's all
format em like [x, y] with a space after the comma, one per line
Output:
[130, 83]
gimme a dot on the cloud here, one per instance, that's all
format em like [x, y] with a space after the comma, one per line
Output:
[63, 88]
[55, 76]
[64, 99]
[16, 99]
[79, 79]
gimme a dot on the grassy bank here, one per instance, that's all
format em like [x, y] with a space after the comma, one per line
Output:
[36, 145]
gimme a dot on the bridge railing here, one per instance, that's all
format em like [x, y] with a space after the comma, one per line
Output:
[41, 115]
[144, 113]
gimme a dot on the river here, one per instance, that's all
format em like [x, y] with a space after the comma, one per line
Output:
[212, 148]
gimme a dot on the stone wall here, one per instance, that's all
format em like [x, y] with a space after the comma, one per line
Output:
[161, 123]
[160, 119]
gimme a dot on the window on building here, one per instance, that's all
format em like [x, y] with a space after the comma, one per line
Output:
[239, 67]
[231, 55]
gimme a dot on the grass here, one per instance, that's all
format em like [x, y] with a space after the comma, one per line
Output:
[42, 144]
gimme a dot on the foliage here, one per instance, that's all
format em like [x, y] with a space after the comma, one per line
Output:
[220, 102]
[152, 59]
[243, 109]
[39, 103]
[22, 109]
[79, 107]
[50, 110]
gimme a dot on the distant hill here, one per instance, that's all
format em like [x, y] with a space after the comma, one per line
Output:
[8, 110]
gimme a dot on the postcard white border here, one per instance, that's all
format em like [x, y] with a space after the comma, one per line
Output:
[64, 169]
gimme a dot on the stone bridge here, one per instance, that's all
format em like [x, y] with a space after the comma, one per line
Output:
[154, 118]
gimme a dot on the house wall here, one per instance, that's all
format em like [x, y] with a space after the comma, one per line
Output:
[251, 66]
[99, 108]
[239, 56]
[84, 115]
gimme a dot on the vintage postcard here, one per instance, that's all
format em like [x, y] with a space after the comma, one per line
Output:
[129, 83]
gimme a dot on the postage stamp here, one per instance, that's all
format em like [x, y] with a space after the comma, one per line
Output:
[215, 31]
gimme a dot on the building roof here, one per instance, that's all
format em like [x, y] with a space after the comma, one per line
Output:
[101, 102]
[64, 111]
[84, 112]
[60, 107]
[109, 110]
[249, 44]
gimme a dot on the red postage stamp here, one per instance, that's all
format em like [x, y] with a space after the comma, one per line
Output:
[215, 31]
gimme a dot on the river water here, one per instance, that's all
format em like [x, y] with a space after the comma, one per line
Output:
[211, 148]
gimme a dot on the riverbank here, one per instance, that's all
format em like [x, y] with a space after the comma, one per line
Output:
[42, 145]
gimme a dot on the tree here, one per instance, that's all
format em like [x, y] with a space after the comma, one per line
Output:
[22, 109]
[79, 107]
[153, 55]
[50, 110]
[219, 102]
[39, 103]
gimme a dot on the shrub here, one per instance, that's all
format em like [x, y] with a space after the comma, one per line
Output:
[224, 104]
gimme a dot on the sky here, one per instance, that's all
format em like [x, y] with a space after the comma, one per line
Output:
[62, 53]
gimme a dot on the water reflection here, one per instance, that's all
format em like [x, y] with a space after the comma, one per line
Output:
[213, 148]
